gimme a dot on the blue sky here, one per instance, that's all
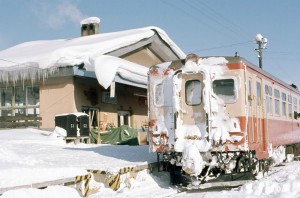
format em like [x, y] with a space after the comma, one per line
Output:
[205, 27]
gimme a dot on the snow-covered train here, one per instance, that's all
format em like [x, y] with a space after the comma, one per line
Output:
[217, 115]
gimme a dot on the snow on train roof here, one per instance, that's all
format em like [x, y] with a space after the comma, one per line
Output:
[45, 56]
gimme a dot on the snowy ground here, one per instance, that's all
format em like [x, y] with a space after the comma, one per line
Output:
[30, 156]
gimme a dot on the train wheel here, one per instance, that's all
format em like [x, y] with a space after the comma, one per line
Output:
[242, 165]
[255, 167]
[265, 167]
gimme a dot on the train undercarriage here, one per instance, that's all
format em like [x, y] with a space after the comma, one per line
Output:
[221, 168]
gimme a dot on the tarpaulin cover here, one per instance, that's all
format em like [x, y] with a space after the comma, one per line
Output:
[123, 135]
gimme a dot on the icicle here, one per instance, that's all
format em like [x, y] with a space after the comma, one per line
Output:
[13, 75]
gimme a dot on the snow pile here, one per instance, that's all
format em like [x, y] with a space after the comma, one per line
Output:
[283, 184]
[49, 192]
[30, 156]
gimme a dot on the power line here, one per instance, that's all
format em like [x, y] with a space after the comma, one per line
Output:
[212, 17]
[222, 18]
[284, 53]
[222, 46]
[189, 14]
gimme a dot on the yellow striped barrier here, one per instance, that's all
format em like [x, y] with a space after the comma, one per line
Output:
[86, 179]
[113, 181]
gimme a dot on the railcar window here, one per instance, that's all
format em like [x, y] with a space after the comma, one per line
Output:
[276, 101]
[258, 93]
[249, 91]
[268, 92]
[295, 106]
[283, 106]
[193, 90]
[159, 99]
[290, 106]
[267, 89]
[225, 89]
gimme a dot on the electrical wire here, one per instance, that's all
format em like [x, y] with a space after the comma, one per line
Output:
[222, 46]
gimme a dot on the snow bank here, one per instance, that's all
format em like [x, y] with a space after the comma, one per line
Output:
[47, 160]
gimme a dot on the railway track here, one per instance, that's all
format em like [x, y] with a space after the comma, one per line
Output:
[215, 185]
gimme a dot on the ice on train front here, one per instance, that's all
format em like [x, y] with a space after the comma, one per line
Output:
[188, 121]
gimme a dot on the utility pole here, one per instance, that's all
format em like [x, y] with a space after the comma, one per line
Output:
[262, 43]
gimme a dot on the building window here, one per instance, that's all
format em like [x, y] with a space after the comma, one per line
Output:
[276, 101]
[123, 118]
[17, 101]
[225, 89]
[107, 99]
[283, 107]
[193, 90]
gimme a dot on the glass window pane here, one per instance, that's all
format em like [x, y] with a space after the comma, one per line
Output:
[5, 112]
[20, 112]
[20, 96]
[283, 96]
[193, 90]
[268, 104]
[159, 99]
[276, 106]
[270, 91]
[6, 95]
[295, 101]
[284, 108]
[225, 90]
[290, 111]
[267, 89]
[258, 93]
[276, 93]
[33, 95]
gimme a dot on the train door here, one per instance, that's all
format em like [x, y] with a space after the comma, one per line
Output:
[192, 99]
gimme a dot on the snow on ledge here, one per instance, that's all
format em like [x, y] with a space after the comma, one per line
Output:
[107, 67]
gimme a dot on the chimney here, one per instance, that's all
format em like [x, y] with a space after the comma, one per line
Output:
[90, 26]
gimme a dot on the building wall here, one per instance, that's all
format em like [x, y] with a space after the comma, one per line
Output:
[89, 93]
[56, 97]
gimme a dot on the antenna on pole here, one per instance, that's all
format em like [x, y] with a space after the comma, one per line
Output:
[262, 44]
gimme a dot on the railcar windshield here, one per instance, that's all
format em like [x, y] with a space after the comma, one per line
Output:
[193, 90]
[225, 89]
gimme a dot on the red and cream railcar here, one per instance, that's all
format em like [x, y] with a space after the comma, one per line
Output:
[220, 113]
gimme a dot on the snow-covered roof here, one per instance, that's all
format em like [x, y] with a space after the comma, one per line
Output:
[36, 59]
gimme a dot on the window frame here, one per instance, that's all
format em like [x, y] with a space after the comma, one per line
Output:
[235, 89]
[201, 91]
[13, 108]
[277, 102]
